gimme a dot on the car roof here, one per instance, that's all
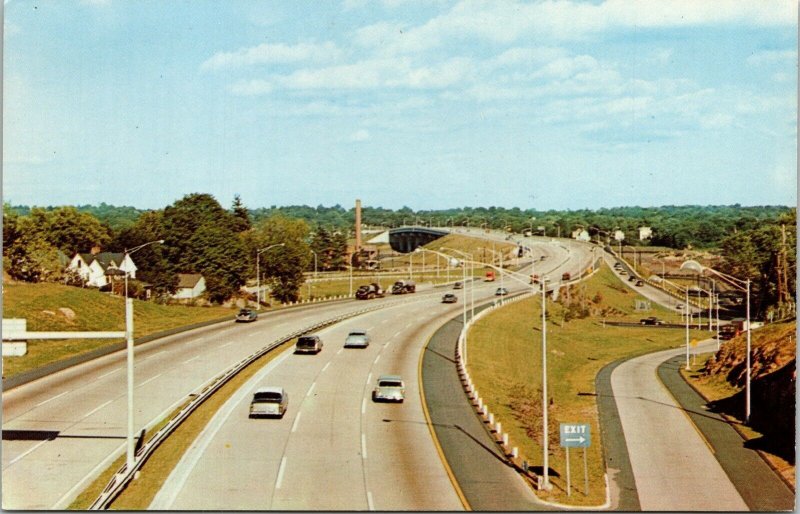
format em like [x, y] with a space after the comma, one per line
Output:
[270, 389]
[390, 377]
[358, 333]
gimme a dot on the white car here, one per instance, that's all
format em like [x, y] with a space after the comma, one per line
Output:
[357, 339]
[269, 401]
[390, 388]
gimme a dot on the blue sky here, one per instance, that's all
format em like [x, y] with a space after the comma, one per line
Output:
[434, 104]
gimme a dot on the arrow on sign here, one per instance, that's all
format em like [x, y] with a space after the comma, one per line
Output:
[580, 439]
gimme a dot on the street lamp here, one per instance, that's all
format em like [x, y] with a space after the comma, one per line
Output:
[502, 275]
[472, 274]
[741, 285]
[315, 271]
[129, 345]
[258, 272]
[545, 428]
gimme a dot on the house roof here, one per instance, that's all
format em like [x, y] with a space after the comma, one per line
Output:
[104, 259]
[188, 280]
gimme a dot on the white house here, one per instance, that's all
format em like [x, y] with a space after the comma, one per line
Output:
[95, 268]
[580, 235]
[645, 233]
[190, 285]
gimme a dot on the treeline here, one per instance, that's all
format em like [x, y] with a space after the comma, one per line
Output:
[199, 235]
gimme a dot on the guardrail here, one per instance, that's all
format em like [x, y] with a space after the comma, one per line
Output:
[124, 475]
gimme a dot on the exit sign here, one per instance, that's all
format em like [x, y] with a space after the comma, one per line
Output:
[575, 435]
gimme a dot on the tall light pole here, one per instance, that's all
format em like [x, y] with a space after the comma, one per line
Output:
[258, 272]
[472, 274]
[545, 428]
[315, 271]
[130, 460]
[741, 285]
[502, 275]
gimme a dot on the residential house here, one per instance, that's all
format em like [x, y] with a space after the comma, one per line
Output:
[97, 268]
[190, 285]
[645, 233]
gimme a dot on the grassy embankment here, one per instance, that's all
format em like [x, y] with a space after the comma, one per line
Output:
[505, 363]
[85, 310]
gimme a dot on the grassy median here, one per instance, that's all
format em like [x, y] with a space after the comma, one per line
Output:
[505, 362]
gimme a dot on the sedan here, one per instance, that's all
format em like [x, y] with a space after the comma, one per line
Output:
[246, 315]
[639, 283]
[449, 298]
[501, 291]
[458, 285]
[357, 339]
[390, 388]
[652, 320]
[269, 401]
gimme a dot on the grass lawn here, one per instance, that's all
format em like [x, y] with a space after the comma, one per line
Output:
[40, 304]
[505, 360]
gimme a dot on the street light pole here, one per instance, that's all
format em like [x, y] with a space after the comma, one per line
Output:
[130, 456]
[258, 272]
[545, 428]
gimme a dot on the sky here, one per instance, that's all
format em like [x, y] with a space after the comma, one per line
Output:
[427, 104]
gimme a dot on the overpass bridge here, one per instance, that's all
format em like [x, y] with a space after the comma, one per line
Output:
[408, 239]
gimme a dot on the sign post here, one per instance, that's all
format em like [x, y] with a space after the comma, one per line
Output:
[576, 435]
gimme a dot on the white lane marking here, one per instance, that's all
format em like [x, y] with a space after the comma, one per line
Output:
[363, 405]
[326, 366]
[108, 374]
[97, 409]
[340, 351]
[311, 389]
[226, 344]
[149, 380]
[363, 446]
[25, 454]
[53, 398]
[369, 378]
[377, 359]
[296, 421]
[192, 359]
[370, 505]
[385, 321]
[280, 473]
[152, 355]
[256, 334]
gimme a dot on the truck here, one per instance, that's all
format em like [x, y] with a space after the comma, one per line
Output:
[369, 291]
[489, 276]
[404, 286]
[566, 276]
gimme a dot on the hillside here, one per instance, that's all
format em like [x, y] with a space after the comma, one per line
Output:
[55, 307]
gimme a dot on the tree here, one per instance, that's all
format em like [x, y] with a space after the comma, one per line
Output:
[219, 255]
[71, 231]
[151, 261]
[33, 259]
[241, 217]
[283, 267]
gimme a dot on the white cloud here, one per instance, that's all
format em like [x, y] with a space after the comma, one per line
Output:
[773, 57]
[358, 136]
[251, 87]
[268, 53]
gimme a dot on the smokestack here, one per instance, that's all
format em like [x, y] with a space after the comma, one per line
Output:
[358, 226]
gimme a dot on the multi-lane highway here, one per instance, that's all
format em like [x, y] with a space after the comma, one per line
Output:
[59, 432]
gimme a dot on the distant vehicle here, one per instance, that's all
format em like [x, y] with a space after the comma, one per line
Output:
[501, 291]
[458, 285]
[489, 276]
[369, 291]
[639, 283]
[357, 339]
[527, 233]
[652, 320]
[617, 265]
[269, 401]
[449, 298]
[308, 344]
[246, 315]
[566, 276]
[623, 272]
[679, 306]
[390, 388]
[631, 278]
[404, 286]
[728, 331]
[534, 279]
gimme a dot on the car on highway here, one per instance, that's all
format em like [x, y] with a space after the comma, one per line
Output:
[390, 388]
[623, 272]
[308, 344]
[246, 315]
[652, 320]
[501, 291]
[449, 298]
[458, 285]
[631, 278]
[639, 283]
[269, 401]
[679, 306]
[357, 339]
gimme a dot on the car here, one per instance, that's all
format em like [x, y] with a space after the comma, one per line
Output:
[501, 291]
[458, 285]
[308, 344]
[246, 315]
[389, 388]
[652, 320]
[679, 306]
[449, 298]
[631, 278]
[357, 339]
[623, 272]
[269, 401]
[534, 279]
[617, 265]
[639, 283]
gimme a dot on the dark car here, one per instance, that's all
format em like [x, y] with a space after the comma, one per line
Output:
[652, 320]
[458, 285]
[631, 278]
[639, 283]
[246, 315]
[449, 298]
[308, 344]
[501, 291]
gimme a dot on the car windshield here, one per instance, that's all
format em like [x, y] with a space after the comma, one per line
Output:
[267, 397]
[306, 341]
[244, 312]
[358, 333]
[390, 383]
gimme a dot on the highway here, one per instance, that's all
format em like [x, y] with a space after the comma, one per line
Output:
[59, 432]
